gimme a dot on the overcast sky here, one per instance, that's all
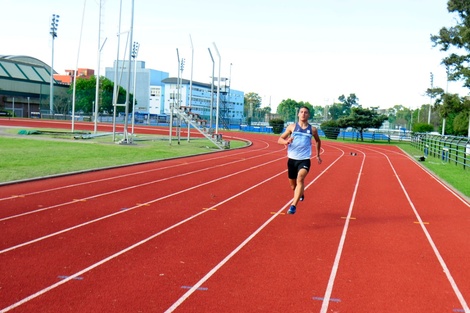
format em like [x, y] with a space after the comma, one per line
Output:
[305, 50]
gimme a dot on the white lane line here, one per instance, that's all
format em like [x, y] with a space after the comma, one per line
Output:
[130, 174]
[433, 245]
[439, 257]
[135, 207]
[339, 252]
[123, 189]
[80, 273]
[195, 287]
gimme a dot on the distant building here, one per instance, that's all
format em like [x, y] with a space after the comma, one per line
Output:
[230, 101]
[70, 76]
[149, 91]
[25, 86]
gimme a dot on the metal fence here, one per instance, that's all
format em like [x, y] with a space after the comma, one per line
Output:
[451, 149]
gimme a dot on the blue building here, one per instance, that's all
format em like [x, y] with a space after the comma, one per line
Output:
[196, 96]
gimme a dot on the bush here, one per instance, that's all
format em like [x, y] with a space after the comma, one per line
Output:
[331, 129]
[422, 128]
[277, 124]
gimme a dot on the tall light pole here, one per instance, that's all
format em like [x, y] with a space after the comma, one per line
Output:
[135, 52]
[430, 96]
[53, 32]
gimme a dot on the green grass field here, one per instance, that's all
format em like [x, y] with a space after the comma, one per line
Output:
[57, 152]
[39, 155]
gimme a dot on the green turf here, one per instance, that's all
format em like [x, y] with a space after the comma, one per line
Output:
[56, 151]
[39, 155]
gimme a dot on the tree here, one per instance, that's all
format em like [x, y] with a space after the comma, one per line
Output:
[318, 113]
[457, 39]
[288, 109]
[448, 107]
[399, 116]
[462, 119]
[422, 128]
[361, 119]
[277, 124]
[85, 90]
[252, 102]
[342, 109]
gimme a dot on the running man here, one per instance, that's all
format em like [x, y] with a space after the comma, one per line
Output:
[298, 138]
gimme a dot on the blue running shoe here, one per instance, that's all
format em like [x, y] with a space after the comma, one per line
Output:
[291, 210]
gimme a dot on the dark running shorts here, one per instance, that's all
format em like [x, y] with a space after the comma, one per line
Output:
[294, 166]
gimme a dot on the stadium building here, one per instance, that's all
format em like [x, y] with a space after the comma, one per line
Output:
[25, 86]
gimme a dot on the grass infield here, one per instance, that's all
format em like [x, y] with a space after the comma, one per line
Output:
[55, 152]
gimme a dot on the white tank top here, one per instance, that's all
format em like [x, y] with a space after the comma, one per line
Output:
[301, 147]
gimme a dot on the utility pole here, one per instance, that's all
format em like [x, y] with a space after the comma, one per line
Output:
[430, 98]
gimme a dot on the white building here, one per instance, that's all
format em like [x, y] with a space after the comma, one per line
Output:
[155, 93]
[148, 88]
[230, 101]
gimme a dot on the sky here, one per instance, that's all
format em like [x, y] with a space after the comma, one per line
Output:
[305, 50]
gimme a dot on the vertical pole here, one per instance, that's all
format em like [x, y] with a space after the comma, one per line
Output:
[191, 84]
[51, 91]
[76, 69]
[54, 24]
[128, 139]
[116, 67]
[135, 51]
[97, 76]
[212, 91]
[218, 93]
[430, 100]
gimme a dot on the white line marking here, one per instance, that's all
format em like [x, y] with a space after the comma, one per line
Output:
[235, 251]
[73, 276]
[134, 173]
[122, 189]
[136, 206]
[428, 236]
[334, 270]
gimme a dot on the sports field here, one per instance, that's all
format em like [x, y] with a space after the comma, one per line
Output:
[209, 233]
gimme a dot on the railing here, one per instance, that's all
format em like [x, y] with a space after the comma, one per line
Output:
[451, 149]
[200, 125]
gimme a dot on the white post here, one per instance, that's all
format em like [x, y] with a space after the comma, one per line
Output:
[54, 24]
[126, 138]
[430, 99]
[212, 91]
[218, 93]
[116, 67]
[135, 51]
[76, 69]
[191, 83]
[97, 76]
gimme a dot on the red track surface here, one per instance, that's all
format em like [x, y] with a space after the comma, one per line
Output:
[376, 233]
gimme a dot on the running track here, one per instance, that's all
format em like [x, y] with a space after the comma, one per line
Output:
[376, 233]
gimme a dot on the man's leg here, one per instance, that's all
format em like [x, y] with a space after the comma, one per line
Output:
[299, 186]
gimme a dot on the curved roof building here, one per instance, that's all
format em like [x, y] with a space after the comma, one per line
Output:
[25, 85]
